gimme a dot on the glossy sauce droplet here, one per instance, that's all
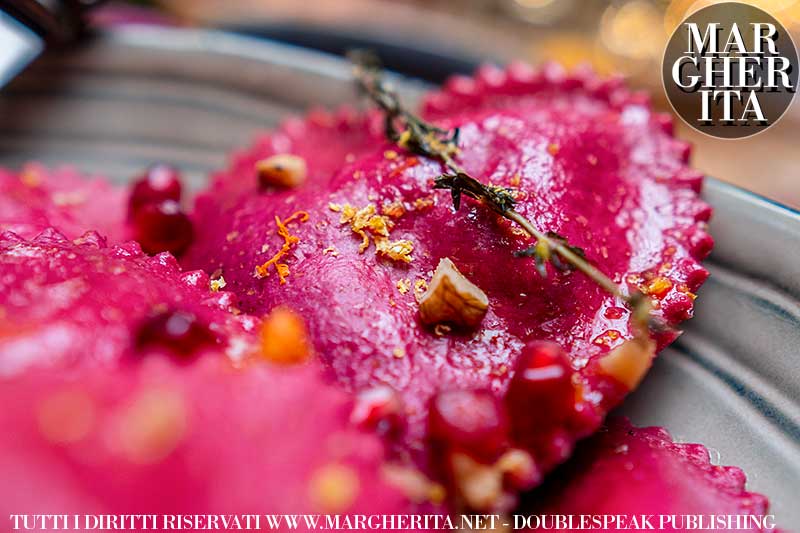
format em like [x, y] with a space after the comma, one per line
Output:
[179, 332]
[614, 313]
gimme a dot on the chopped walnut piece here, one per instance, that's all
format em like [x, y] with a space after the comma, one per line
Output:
[333, 488]
[68, 198]
[217, 284]
[282, 170]
[480, 485]
[151, 427]
[440, 330]
[452, 298]
[519, 469]
[628, 362]
[485, 486]
[414, 484]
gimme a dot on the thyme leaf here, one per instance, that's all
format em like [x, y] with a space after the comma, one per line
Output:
[499, 199]
[414, 134]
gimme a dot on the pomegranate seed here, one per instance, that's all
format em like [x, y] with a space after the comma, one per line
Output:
[162, 227]
[158, 183]
[470, 421]
[178, 331]
[377, 409]
[540, 397]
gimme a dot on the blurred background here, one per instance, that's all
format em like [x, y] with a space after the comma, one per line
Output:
[433, 38]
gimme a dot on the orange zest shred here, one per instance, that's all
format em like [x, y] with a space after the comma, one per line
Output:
[423, 203]
[30, 177]
[394, 209]
[409, 162]
[289, 240]
[403, 285]
[284, 337]
[659, 287]
[420, 287]
[366, 223]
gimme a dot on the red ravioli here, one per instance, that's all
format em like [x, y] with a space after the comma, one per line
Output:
[597, 168]
[66, 301]
[204, 438]
[129, 387]
[37, 198]
[326, 141]
[641, 471]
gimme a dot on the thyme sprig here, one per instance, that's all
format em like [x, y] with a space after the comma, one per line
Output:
[414, 134]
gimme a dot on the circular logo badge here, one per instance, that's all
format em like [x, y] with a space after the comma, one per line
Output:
[730, 70]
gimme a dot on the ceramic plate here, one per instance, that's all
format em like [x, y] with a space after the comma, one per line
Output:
[188, 97]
